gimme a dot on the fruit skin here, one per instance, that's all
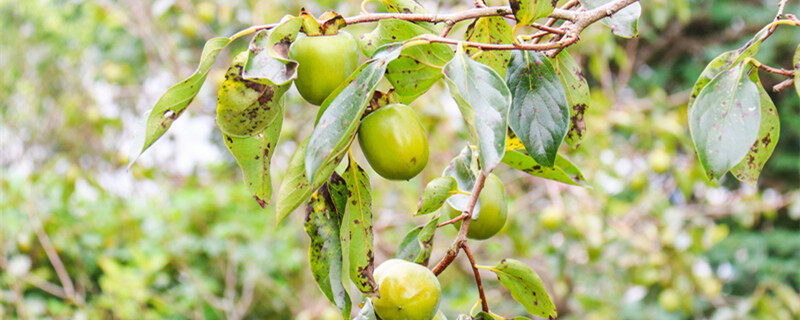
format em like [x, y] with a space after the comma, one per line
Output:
[324, 62]
[659, 160]
[394, 142]
[493, 213]
[551, 217]
[408, 291]
[669, 299]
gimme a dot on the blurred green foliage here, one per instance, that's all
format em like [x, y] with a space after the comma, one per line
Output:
[177, 235]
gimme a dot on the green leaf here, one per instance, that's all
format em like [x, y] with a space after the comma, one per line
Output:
[797, 70]
[411, 6]
[464, 169]
[539, 114]
[526, 287]
[483, 316]
[721, 63]
[174, 102]
[358, 227]
[527, 11]
[343, 109]
[268, 59]
[245, 108]
[563, 170]
[725, 120]
[725, 62]
[578, 99]
[624, 22]
[295, 187]
[367, 312]
[417, 245]
[436, 193]
[325, 251]
[418, 67]
[253, 155]
[484, 100]
[750, 49]
[769, 130]
[490, 30]
[404, 6]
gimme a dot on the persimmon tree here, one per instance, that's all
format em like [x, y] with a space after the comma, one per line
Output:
[521, 96]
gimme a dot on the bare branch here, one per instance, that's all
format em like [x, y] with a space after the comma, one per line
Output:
[451, 221]
[788, 73]
[462, 232]
[783, 85]
[564, 42]
[52, 255]
[477, 274]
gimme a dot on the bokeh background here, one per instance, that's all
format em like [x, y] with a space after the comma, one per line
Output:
[177, 236]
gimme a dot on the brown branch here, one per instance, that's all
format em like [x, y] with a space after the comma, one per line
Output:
[451, 221]
[445, 17]
[551, 21]
[447, 28]
[783, 85]
[52, 255]
[788, 73]
[584, 18]
[579, 19]
[477, 274]
[781, 6]
[45, 286]
[462, 232]
[566, 41]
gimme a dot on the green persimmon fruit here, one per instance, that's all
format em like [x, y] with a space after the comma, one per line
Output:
[394, 142]
[406, 291]
[492, 214]
[324, 62]
[245, 108]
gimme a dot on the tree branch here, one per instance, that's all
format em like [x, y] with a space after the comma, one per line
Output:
[783, 85]
[454, 17]
[462, 232]
[788, 73]
[477, 274]
[52, 255]
[451, 221]
[579, 19]
[564, 42]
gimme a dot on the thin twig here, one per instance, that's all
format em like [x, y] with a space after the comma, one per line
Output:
[452, 252]
[451, 221]
[788, 73]
[246, 298]
[477, 274]
[45, 286]
[448, 26]
[444, 17]
[783, 85]
[566, 41]
[52, 255]
[551, 21]
[584, 18]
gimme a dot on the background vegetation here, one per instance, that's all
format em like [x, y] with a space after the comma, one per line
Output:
[178, 236]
